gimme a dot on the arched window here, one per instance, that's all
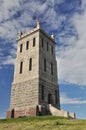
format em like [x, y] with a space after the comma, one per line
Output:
[52, 49]
[27, 45]
[47, 46]
[21, 67]
[45, 65]
[30, 64]
[34, 41]
[42, 92]
[51, 66]
[21, 47]
[12, 113]
[49, 98]
[42, 41]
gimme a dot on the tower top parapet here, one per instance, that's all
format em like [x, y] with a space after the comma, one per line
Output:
[37, 28]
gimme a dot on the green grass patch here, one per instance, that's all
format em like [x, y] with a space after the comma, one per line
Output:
[42, 123]
[37, 118]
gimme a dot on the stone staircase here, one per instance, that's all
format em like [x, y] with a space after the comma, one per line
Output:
[57, 112]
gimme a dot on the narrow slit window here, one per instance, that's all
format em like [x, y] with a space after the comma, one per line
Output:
[47, 46]
[21, 46]
[30, 64]
[42, 42]
[51, 68]
[52, 49]
[34, 41]
[45, 65]
[42, 92]
[21, 67]
[27, 45]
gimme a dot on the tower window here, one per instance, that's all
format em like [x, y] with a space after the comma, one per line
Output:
[52, 49]
[56, 96]
[21, 67]
[42, 92]
[44, 64]
[30, 64]
[47, 46]
[34, 41]
[51, 68]
[27, 45]
[42, 42]
[21, 46]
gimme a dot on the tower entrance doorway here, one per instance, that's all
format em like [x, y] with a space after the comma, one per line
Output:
[49, 98]
[12, 113]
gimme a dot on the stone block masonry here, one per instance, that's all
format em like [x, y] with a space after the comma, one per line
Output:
[24, 94]
[35, 84]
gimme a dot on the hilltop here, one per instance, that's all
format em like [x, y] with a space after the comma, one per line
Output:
[42, 123]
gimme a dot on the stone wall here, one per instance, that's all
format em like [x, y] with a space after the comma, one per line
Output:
[49, 88]
[56, 112]
[48, 80]
[24, 56]
[24, 94]
[15, 113]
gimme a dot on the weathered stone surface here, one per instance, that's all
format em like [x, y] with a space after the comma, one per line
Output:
[26, 93]
[56, 112]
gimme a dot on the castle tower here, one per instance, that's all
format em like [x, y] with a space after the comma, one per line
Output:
[35, 83]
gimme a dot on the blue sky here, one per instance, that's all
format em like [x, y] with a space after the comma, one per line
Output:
[67, 20]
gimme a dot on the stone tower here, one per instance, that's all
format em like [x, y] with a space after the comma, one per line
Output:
[35, 83]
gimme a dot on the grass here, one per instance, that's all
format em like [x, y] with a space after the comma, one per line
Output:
[42, 123]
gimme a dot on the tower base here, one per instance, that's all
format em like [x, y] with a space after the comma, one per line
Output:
[39, 110]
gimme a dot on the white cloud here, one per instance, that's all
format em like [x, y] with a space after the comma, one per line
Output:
[66, 100]
[83, 5]
[7, 7]
[72, 63]
[10, 25]
[9, 60]
[8, 30]
[71, 58]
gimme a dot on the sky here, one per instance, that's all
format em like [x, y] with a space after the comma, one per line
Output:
[67, 20]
